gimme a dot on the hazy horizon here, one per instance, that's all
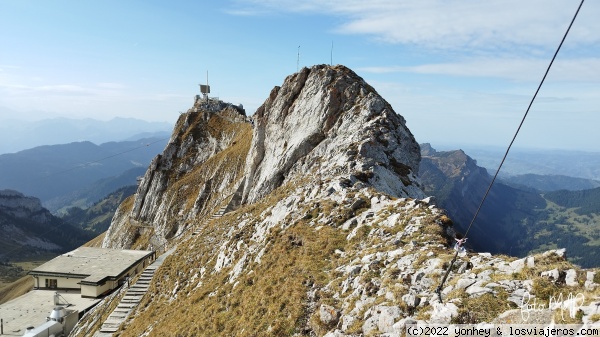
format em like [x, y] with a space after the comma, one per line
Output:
[456, 71]
[158, 126]
[18, 135]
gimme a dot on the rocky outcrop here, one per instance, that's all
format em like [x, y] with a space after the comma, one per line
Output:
[18, 205]
[28, 229]
[324, 122]
[459, 184]
[307, 261]
[328, 122]
[200, 169]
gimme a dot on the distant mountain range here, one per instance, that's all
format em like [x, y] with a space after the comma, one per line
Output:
[550, 182]
[88, 195]
[97, 217]
[570, 163]
[57, 172]
[516, 218]
[17, 135]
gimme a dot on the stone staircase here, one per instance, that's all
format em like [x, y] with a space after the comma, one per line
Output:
[131, 299]
[220, 212]
[217, 215]
[232, 204]
[136, 292]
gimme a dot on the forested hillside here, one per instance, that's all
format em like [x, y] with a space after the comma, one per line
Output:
[586, 202]
[514, 220]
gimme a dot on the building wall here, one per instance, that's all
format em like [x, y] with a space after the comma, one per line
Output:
[49, 328]
[68, 282]
[95, 291]
[91, 290]
[61, 282]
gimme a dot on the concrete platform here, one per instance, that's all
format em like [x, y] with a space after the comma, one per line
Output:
[32, 309]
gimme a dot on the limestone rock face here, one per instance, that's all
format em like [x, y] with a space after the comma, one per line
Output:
[25, 222]
[329, 122]
[20, 206]
[331, 234]
[201, 166]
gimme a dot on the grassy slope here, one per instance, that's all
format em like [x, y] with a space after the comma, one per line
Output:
[227, 164]
[270, 296]
[16, 289]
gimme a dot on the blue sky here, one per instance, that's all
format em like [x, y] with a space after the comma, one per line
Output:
[460, 72]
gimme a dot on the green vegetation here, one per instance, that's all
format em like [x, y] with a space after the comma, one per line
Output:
[585, 202]
[560, 227]
[97, 218]
[513, 220]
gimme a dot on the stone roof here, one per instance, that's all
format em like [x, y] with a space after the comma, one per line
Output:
[92, 265]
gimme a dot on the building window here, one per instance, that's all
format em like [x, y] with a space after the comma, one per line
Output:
[51, 283]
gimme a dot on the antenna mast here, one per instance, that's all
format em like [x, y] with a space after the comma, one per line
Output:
[331, 56]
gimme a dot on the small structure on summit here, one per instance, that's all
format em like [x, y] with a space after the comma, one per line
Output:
[204, 90]
[212, 104]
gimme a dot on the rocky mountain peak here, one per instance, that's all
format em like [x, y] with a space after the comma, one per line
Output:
[324, 124]
[309, 219]
[326, 120]
[197, 173]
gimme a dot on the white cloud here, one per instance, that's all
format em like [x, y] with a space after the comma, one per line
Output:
[583, 70]
[62, 89]
[453, 24]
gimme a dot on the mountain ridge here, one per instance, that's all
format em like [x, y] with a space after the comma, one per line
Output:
[514, 220]
[17, 135]
[325, 229]
[28, 228]
[51, 171]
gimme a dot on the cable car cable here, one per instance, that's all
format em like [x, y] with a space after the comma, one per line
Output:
[439, 288]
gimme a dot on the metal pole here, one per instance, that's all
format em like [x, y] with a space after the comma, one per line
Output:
[331, 60]
[1, 326]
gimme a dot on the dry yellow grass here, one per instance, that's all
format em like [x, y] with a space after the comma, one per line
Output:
[95, 242]
[268, 298]
[16, 289]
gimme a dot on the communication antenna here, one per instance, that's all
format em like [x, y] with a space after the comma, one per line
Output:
[298, 60]
[205, 88]
[331, 55]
